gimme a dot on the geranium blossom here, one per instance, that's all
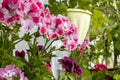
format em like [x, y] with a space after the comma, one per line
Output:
[70, 65]
[24, 12]
[100, 67]
[9, 72]
[30, 13]
[48, 66]
[83, 46]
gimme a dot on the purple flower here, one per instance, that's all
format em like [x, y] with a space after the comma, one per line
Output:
[20, 54]
[40, 47]
[67, 64]
[9, 72]
[78, 70]
[70, 65]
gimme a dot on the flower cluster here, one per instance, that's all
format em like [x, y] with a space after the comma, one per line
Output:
[24, 12]
[100, 67]
[10, 72]
[31, 13]
[70, 66]
[83, 46]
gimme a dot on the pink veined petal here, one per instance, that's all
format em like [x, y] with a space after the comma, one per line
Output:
[65, 43]
[36, 19]
[9, 67]
[10, 19]
[43, 30]
[60, 32]
[80, 49]
[21, 7]
[14, 1]
[48, 66]
[76, 41]
[54, 36]
[22, 77]
[58, 21]
[72, 46]
[5, 3]
[40, 5]
[33, 8]
[1, 14]
[47, 13]
[42, 14]
[27, 24]
[2, 71]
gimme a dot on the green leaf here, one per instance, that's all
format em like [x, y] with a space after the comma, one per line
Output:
[85, 4]
[54, 9]
[86, 75]
[98, 19]
[72, 3]
[100, 44]
[46, 78]
[70, 77]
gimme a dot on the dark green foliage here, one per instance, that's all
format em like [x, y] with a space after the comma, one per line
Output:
[57, 8]
[34, 68]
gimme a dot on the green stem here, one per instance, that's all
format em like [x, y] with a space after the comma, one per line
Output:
[18, 41]
[75, 77]
[47, 46]
[50, 44]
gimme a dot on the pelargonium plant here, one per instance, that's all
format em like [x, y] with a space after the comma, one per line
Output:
[35, 61]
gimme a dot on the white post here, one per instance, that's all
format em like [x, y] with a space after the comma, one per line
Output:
[81, 19]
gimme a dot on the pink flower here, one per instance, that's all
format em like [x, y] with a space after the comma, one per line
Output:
[48, 66]
[33, 8]
[35, 19]
[24, 12]
[5, 3]
[30, 13]
[59, 32]
[58, 21]
[80, 49]
[70, 44]
[27, 24]
[40, 5]
[43, 30]
[22, 77]
[84, 45]
[9, 72]
[54, 36]
[100, 67]
[1, 14]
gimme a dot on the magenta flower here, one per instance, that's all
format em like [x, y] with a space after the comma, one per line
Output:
[70, 66]
[100, 67]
